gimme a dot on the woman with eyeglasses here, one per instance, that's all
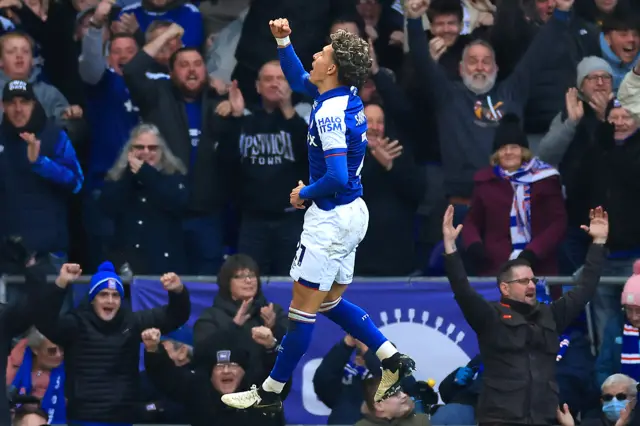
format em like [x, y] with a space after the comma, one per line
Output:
[240, 307]
[146, 194]
[517, 208]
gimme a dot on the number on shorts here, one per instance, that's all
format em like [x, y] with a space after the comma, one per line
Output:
[300, 249]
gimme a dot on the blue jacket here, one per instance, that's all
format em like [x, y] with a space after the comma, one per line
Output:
[148, 209]
[34, 196]
[608, 361]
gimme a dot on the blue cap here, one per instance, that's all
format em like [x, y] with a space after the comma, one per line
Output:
[105, 278]
[183, 335]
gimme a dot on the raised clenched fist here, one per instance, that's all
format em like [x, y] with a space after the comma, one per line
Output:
[280, 28]
[171, 282]
[151, 339]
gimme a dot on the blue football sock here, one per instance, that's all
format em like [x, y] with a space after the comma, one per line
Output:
[294, 345]
[357, 323]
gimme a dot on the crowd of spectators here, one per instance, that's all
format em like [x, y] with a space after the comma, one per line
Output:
[163, 136]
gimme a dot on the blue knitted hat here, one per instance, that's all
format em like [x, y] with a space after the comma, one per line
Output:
[106, 277]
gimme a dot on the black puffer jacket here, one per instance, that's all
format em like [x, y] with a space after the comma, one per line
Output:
[102, 357]
[216, 322]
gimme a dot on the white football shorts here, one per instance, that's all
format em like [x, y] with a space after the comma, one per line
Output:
[327, 248]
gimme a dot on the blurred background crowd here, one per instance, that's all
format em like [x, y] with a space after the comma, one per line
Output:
[162, 136]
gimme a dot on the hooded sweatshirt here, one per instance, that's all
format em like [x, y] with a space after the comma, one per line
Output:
[620, 69]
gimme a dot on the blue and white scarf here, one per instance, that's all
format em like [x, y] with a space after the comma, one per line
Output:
[521, 180]
[53, 402]
[351, 371]
[630, 356]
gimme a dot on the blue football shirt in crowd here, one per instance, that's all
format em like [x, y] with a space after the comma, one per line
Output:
[111, 116]
[194, 117]
[187, 16]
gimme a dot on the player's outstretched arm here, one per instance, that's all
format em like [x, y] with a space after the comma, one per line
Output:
[331, 129]
[293, 70]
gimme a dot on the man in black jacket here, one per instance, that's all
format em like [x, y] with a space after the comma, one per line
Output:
[101, 341]
[182, 108]
[518, 337]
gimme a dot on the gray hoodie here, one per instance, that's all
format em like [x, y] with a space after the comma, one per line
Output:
[53, 102]
[466, 121]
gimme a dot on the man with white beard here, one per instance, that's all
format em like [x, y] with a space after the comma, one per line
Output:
[468, 112]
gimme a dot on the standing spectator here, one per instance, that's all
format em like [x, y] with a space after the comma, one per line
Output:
[620, 44]
[16, 53]
[101, 342]
[161, 66]
[146, 196]
[395, 188]
[111, 116]
[568, 146]
[39, 169]
[614, 169]
[184, 14]
[183, 109]
[518, 337]
[466, 138]
[268, 149]
[40, 373]
[338, 382]
[241, 308]
[517, 208]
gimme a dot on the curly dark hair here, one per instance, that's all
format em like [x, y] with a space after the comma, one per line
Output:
[351, 55]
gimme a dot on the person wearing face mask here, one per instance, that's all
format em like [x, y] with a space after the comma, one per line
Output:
[518, 336]
[517, 208]
[224, 368]
[618, 398]
[101, 342]
[146, 195]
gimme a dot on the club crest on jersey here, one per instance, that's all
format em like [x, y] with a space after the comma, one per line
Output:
[329, 124]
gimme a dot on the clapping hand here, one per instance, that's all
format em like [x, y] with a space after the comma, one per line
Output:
[236, 100]
[575, 108]
[72, 112]
[599, 225]
[599, 102]
[415, 8]
[437, 48]
[130, 23]
[385, 152]
[171, 282]
[68, 273]
[243, 312]
[134, 163]
[151, 339]
[33, 146]
[625, 414]
[268, 315]
[263, 336]
[449, 232]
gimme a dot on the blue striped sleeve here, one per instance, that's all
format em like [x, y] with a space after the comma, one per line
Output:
[293, 70]
[63, 168]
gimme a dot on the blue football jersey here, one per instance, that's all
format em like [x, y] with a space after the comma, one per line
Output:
[337, 126]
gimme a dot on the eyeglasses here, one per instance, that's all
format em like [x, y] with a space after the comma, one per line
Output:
[245, 276]
[605, 78]
[150, 148]
[524, 281]
[53, 351]
[619, 396]
[224, 366]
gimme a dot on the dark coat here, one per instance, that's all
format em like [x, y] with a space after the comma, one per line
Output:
[161, 103]
[519, 344]
[15, 318]
[200, 399]
[148, 209]
[102, 357]
[488, 222]
[33, 207]
[216, 323]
